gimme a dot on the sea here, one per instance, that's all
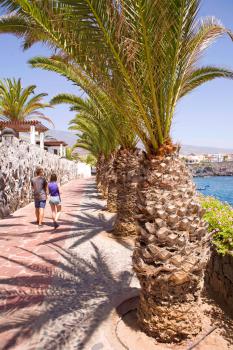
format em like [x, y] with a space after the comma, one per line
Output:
[220, 187]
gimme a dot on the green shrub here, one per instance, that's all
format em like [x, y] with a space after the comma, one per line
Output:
[89, 159]
[219, 215]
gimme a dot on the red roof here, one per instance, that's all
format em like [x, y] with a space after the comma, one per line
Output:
[23, 126]
[54, 143]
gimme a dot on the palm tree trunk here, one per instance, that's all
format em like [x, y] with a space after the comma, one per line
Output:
[171, 250]
[102, 168]
[107, 175]
[128, 171]
[104, 175]
[99, 170]
[104, 182]
[112, 188]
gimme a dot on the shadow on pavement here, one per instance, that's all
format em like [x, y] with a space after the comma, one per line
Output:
[82, 226]
[64, 302]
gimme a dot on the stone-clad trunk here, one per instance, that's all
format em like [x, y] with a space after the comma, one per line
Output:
[128, 172]
[171, 250]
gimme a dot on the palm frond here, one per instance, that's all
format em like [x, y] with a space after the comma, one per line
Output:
[203, 75]
[140, 56]
[16, 104]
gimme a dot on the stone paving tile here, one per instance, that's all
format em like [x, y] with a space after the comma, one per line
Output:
[28, 260]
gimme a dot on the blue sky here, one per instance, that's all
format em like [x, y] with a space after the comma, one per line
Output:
[204, 118]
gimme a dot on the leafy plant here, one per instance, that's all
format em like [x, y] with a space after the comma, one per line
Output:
[69, 153]
[89, 159]
[219, 215]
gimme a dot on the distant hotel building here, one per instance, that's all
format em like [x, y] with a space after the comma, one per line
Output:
[207, 158]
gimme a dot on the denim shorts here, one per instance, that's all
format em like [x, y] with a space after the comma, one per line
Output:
[40, 203]
[55, 200]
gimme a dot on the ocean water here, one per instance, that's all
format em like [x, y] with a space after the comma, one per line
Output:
[220, 187]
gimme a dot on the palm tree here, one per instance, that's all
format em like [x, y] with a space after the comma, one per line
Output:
[147, 52]
[104, 105]
[119, 187]
[110, 140]
[16, 103]
[97, 133]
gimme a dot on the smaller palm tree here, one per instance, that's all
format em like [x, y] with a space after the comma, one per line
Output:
[16, 103]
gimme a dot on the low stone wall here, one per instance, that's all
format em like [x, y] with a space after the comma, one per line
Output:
[212, 169]
[18, 162]
[219, 279]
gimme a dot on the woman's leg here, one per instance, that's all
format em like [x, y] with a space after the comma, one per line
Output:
[58, 207]
[54, 212]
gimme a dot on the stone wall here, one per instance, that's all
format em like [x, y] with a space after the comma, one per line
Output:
[219, 279]
[212, 169]
[18, 162]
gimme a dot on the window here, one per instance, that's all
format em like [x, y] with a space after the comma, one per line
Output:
[55, 151]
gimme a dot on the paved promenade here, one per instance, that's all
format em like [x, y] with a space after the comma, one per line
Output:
[58, 287]
[59, 290]
[28, 260]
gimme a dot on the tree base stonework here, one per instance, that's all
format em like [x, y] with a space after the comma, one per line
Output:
[171, 250]
[166, 322]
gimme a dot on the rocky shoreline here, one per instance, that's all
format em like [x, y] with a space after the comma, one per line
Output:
[212, 169]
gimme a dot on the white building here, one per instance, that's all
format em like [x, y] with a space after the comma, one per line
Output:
[28, 130]
[34, 132]
[55, 146]
[193, 158]
[214, 158]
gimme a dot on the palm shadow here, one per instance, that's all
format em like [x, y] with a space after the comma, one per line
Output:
[92, 206]
[11, 225]
[85, 226]
[63, 303]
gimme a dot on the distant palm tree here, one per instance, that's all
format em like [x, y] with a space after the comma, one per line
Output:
[109, 137]
[102, 132]
[16, 103]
